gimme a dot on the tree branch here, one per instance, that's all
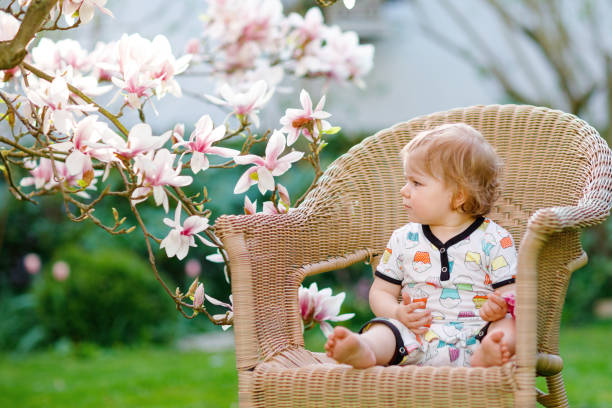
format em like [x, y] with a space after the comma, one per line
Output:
[14, 51]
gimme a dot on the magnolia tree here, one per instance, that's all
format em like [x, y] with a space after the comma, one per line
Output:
[58, 133]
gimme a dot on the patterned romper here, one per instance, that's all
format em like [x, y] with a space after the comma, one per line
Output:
[453, 279]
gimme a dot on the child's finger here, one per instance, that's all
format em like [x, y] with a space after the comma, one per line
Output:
[414, 306]
[405, 298]
[497, 300]
[411, 316]
[414, 322]
[423, 322]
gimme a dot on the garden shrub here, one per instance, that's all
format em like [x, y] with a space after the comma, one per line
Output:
[111, 296]
[20, 329]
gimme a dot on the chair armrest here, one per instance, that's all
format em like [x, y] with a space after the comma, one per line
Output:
[269, 255]
[542, 224]
[552, 220]
[257, 247]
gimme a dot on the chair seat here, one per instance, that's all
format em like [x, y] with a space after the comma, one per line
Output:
[299, 378]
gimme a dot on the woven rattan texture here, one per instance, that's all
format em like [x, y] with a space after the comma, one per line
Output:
[557, 178]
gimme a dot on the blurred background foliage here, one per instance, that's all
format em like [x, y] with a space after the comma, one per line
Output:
[30, 305]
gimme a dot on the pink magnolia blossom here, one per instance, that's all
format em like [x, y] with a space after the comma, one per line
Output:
[9, 26]
[55, 96]
[250, 208]
[84, 9]
[156, 170]
[146, 67]
[319, 306]
[43, 177]
[165, 67]
[201, 143]
[53, 56]
[140, 141]
[268, 167]
[229, 306]
[60, 271]
[216, 258]
[244, 104]
[192, 46]
[193, 268]
[181, 237]
[349, 4]
[346, 59]
[283, 195]
[136, 85]
[268, 206]
[66, 58]
[32, 263]
[283, 203]
[84, 146]
[306, 120]
[104, 60]
[41, 173]
[307, 29]
[242, 31]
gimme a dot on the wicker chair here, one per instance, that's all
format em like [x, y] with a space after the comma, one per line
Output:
[557, 179]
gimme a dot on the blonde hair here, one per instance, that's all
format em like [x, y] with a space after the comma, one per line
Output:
[458, 155]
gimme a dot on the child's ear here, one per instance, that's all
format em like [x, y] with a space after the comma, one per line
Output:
[458, 198]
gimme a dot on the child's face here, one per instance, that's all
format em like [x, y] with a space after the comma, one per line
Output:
[427, 199]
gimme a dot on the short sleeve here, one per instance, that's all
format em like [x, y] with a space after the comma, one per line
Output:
[391, 267]
[503, 260]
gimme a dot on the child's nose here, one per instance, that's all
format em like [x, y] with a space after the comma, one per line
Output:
[405, 190]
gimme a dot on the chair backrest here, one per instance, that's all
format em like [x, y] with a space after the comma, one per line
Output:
[547, 156]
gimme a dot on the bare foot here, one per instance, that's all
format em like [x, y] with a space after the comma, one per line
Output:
[493, 351]
[347, 347]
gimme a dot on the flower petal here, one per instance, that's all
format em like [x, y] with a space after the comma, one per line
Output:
[306, 101]
[276, 145]
[245, 181]
[266, 181]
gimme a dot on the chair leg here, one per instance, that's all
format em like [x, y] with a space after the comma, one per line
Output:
[556, 397]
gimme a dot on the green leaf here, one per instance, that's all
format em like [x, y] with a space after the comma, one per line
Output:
[332, 130]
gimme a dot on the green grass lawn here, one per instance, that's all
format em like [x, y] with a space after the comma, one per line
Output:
[587, 365]
[151, 377]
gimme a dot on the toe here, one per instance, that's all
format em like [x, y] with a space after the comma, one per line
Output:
[496, 336]
[341, 332]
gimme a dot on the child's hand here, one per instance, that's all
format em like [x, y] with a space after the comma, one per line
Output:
[495, 308]
[417, 321]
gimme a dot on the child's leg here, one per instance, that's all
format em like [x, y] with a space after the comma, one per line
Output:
[376, 346]
[498, 346]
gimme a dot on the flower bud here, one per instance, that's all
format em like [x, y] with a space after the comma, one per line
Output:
[192, 288]
[193, 268]
[198, 298]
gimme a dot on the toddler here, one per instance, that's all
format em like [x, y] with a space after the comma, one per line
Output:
[452, 267]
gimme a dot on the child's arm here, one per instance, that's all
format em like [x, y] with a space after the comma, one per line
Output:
[383, 301]
[495, 308]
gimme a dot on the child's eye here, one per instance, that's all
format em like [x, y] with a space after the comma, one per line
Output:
[416, 183]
